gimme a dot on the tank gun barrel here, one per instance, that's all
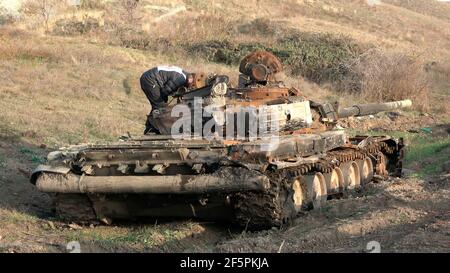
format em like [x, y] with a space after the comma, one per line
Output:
[372, 108]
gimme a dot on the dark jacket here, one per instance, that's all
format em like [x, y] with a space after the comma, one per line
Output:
[167, 78]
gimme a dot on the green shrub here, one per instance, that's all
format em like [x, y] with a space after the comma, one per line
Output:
[259, 26]
[223, 51]
[214, 51]
[130, 38]
[2, 161]
[317, 57]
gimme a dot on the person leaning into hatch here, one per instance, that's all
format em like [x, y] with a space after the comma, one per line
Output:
[158, 84]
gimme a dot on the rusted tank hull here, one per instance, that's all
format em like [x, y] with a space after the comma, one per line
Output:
[240, 183]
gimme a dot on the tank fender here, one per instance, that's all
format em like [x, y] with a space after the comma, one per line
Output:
[48, 169]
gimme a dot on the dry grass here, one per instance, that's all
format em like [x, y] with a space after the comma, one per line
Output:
[65, 93]
[385, 76]
[58, 90]
[426, 7]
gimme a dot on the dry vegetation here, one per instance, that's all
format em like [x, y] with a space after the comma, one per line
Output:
[93, 54]
[386, 76]
[73, 77]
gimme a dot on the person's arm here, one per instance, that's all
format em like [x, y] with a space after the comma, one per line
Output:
[174, 81]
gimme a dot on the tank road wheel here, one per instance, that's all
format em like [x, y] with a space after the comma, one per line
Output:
[366, 170]
[335, 181]
[299, 195]
[381, 165]
[352, 176]
[317, 190]
[75, 208]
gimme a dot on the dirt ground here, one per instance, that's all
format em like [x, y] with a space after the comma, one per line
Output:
[401, 214]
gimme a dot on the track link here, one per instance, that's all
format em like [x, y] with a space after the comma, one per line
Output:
[260, 210]
[75, 208]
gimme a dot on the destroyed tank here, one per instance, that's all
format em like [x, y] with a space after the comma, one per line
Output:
[255, 176]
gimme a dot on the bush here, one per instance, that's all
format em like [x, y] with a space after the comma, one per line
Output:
[223, 51]
[70, 27]
[317, 57]
[92, 4]
[130, 38]
[383, 76]
[259, 26]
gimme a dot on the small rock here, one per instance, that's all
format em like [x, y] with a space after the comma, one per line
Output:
[43, 146]
[392, 115]
[51, 225]
[75, 226]
[106, 220]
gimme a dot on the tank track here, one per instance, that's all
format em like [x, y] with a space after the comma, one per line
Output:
[260, 210]
[256, 210]
[76, 208]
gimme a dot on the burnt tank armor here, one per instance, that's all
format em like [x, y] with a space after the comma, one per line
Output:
[253, 181]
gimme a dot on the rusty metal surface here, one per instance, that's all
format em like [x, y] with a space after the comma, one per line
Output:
[226, 180]
[262, 93]
[261, 66]
[199, 80]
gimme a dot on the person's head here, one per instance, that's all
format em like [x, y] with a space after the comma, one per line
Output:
[190, 79]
